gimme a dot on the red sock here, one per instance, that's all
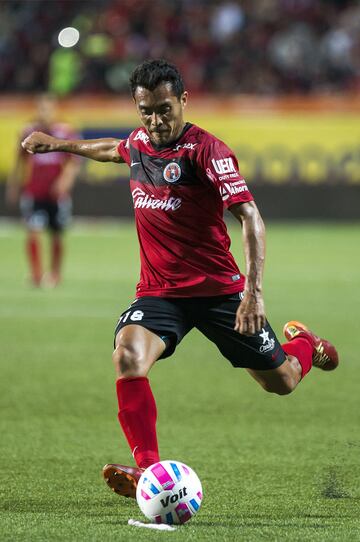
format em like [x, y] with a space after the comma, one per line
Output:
[137, 416]
[302, 349]
[56, 254]
[34, 257]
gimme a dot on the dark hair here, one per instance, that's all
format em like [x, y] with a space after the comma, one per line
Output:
[152, 73]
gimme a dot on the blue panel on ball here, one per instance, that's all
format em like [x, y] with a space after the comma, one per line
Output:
[153, 488]
[176, 470]
[194, 504]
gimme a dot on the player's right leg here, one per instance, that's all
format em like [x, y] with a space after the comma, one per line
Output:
[149, 329]
[36, 220]
[33, 251]
[136, 350]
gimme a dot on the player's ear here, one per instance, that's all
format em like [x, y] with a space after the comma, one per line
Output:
[183, 99]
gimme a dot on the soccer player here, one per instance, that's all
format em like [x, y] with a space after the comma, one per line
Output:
[181, 179]
[45, 183]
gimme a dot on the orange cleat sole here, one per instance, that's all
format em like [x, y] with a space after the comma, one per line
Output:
[121, 479]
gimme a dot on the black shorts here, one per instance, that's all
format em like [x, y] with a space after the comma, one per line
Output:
[45, 214]
[172, 318]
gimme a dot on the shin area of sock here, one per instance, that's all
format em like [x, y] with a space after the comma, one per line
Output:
[137, 416]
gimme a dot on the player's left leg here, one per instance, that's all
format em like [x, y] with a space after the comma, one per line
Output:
[277, 368]
[282, 380]
[56, 257]
[304, 350]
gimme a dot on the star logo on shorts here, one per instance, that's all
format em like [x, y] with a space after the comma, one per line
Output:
[264, 335]
[268, 344]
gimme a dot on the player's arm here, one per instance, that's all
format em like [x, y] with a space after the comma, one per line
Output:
[250, 316]
[102, 150]
[16, 178]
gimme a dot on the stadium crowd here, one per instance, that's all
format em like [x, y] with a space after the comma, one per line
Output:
[265, 47]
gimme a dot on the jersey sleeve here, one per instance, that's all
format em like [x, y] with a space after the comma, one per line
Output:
[218, 164]
[124, 150]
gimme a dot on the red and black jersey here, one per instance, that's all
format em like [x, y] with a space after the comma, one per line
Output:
[179, 193]
[44, 169]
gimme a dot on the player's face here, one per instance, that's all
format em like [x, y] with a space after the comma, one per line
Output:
[161, 112]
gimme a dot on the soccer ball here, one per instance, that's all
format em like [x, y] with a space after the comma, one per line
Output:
[169, 492]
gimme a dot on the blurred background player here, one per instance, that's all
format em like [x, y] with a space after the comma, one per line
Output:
[42, 184]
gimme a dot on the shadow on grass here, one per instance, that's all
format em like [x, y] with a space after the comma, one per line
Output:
[333, 488]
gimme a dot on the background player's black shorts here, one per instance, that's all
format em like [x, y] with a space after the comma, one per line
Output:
[172, 318]
[46, 214]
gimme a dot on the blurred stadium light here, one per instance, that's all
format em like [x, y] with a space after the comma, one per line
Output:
[68, 37]
[278, 80]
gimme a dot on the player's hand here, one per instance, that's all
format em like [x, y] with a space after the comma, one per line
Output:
[250, 316]
[38, 142]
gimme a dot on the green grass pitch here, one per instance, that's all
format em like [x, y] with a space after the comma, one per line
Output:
[273, 468]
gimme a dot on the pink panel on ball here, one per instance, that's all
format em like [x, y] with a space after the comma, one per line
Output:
[145, 495]
[162, 476]
[183, 512]
[185, 469]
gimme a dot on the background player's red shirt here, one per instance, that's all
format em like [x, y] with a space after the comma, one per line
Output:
[179, 193]
[44, 169]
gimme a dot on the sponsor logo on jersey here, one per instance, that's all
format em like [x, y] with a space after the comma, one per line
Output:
[229, 176]
[142, 136]
[144, 201]
[190, 146]
[268, 343]
[231, 189]
[172, 172]
[224, 165]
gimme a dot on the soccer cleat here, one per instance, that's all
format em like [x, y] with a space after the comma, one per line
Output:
[121, 479]
[324, 356]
